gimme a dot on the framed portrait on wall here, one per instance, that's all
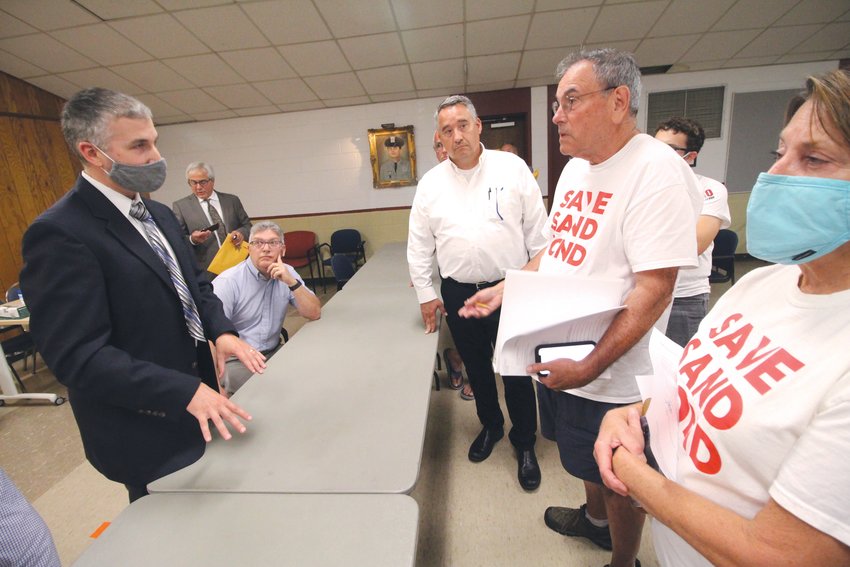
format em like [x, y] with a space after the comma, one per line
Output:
[393, 155]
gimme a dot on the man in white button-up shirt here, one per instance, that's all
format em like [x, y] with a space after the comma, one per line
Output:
[479, 213]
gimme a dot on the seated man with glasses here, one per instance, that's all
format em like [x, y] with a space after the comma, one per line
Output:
[209, 217]
[256, 294]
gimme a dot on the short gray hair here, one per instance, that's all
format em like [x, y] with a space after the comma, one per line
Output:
[613, 68]
[452, 101]
[200, 165]
[88, 115]
[263, 226]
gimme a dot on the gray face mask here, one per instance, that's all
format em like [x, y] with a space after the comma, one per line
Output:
[137, 178]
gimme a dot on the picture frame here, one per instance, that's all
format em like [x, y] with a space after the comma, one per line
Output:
[393, 155]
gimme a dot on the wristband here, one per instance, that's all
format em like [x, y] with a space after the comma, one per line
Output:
[294, 286]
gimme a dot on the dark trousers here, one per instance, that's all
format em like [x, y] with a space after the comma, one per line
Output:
[474, 339]
[136, 492]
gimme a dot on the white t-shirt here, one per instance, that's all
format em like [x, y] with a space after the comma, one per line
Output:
[478, 222]
[694, 281]
[635, 211]
[766, 380]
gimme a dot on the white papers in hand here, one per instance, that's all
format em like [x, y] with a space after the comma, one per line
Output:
[663, 413]
[551, 308]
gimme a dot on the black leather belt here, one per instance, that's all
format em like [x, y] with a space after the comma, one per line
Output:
[476, 286]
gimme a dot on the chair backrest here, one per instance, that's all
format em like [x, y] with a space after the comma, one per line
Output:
[725, 243]
[343, 269]
[345, 241]
[14, 292]
[300, 245]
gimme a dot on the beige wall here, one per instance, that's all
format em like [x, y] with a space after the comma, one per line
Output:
[738, 210]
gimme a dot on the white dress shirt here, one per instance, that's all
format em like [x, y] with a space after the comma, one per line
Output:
[477, 222]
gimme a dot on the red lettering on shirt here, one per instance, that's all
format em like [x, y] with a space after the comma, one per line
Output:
[576, 223]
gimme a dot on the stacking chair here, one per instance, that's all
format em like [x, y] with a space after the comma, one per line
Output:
[343, 269]
[344, 241]
[301, 250]
[723, 257]
[18, 346]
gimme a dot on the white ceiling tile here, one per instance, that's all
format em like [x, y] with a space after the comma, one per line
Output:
[262, 64]
[159, 107]
[550, 5]
[257, 110]
[442, 92]
[776, 41]
[832, 36]
[45, 52]
[178, 119]
[347, 101]
[664, 50]
[101, 77]
[321, 58]
[690, 16]
[429, 44]
[204, 70]
[437, 74]
[804, 57]
[340, 85]
[296, 106]
[17, 67]
[237, 96]
[56, 85]
[483, 9]
[408, 95]
[719, 45]
[286, 91]
[814, 12]
[417, 14]
[160, 35]
[114, 9]
[11, 26]
[628, 45]
[102, 43]
[224, 28]
[152, 75]
[215, 115]
[496, 36]
[557, 29]
[641, 17]
[492, 68]
[746, 14]
[191, 101]
[696, 66]
[347, 18]
[538, 82]
[386, 79]
[369, 51]
[495, 86]
[750, 61]
[542, 62]
[187, 4]
[288, 21]
[48, 14]
[840, 54]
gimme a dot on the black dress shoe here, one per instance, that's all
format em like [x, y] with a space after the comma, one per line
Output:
[484, 443]
[528, 471]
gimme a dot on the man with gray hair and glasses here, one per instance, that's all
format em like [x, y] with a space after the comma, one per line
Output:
[637, 203]
[209, 217]
[477, 214]
[256, 294]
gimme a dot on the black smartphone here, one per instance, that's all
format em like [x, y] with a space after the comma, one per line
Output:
[211, 228]
[574, 351]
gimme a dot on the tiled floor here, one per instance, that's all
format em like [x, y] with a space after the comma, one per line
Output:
[470, 514]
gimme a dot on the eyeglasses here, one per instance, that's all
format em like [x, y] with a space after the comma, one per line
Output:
[571, 100]
[678, 149]
[201, 182]
[273, 244]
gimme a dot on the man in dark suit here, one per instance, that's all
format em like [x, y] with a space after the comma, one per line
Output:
[206, 207]
[119, 309]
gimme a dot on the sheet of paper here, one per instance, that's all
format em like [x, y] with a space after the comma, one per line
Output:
[663, 413]
[549, 308]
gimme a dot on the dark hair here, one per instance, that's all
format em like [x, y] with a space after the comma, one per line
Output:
[688, 127]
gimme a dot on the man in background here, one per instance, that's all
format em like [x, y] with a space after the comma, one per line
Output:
[256, 294]
[690, 297]
[395, 168]
[206, 208]
[120, 310]
[479, 213]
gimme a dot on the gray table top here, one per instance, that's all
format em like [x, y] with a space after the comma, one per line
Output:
[260, 529]
[341, 408]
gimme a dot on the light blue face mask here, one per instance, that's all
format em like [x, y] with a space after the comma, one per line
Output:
[793, 220]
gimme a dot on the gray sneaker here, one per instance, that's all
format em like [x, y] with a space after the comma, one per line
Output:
[574, 522]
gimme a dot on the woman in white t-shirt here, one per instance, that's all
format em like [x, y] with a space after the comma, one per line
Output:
[763, 470]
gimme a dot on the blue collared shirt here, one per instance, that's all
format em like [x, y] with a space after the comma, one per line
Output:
[255, 304]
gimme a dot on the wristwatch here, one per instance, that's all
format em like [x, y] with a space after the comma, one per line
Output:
[294, 286]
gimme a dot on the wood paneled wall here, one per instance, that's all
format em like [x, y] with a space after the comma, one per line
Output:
[36, 167]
